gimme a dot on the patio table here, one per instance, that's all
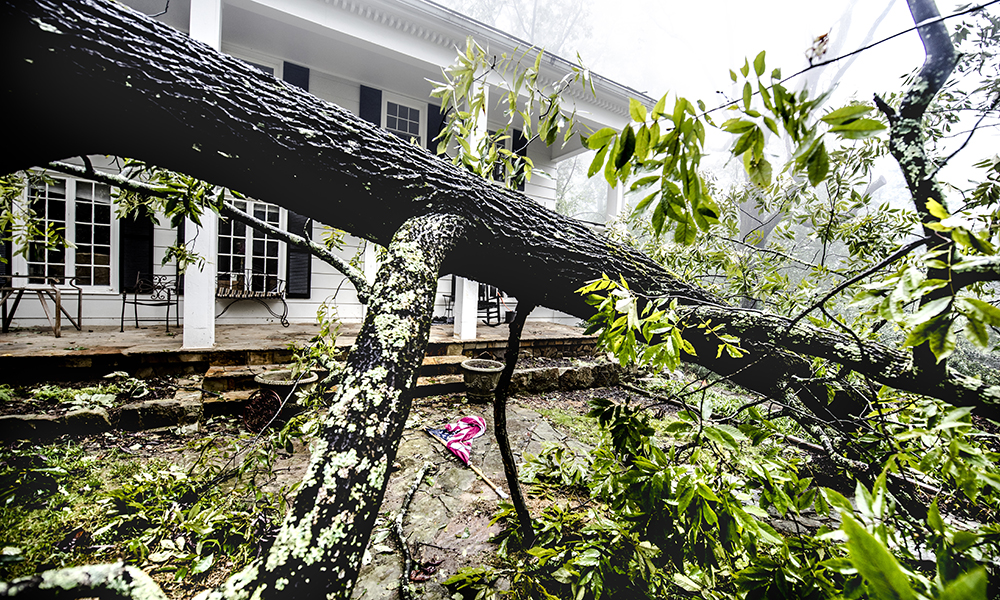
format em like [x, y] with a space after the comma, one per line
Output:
[53, 289]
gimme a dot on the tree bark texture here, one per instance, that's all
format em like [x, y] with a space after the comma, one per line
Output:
[318, 551]
[156, 95]
[116, 580]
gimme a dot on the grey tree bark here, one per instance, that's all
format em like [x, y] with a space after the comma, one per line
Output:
[155, 95]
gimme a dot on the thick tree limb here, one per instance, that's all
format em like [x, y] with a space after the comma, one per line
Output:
[318, 551]
[230, 210]
[214, 117]
[890, 367]
[116, 580]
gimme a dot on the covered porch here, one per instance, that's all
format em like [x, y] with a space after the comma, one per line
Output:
[34, 354]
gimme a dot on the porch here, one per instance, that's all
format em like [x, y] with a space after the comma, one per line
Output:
[34, 354]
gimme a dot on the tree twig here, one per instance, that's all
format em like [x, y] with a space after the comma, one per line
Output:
[404, 548]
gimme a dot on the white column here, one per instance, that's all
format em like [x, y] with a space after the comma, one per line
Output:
[206, 22]
[615, 201]
[466, 308]
[199, 285]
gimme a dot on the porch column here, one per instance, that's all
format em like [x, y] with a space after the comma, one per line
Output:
[615, 201]
[199, 285]
[466, 308]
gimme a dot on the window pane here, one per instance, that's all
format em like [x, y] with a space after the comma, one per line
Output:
[239, 229]
[102, 276]
[82, 275]
[102, 234]
[82, 234]
[84, 190]
[390, 123]
[102, 194]
[57, 211]
[272, 248]
[83, 212]
[102, 256]
[102, 214]
[258, 247]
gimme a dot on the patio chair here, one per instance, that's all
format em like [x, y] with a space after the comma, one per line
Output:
[159, 291]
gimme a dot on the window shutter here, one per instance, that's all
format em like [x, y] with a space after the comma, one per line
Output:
[5, 254]
[435, 121]
[180, 240]
[135, 249]
[371, 105]
[296, 75]
[519, 145]
[299, 266]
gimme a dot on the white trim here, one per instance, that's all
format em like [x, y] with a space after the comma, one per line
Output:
[19, 262]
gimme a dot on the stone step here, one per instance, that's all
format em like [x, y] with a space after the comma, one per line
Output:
[232, 378]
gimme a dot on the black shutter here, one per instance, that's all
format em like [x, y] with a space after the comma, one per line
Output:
[435, 121]
[135, 249]
[296, 75]
[180, 240]
[519, 145]
[371, 105]
[298, 270]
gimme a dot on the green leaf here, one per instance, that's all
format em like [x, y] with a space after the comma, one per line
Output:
[204, 564]
[747, 95]
[857, 130]
[637, 110]
[938, 333]
[979, 310]
[660, 107]
[846, 114]
[758, 64]
[934, 207]
[642, 144]
[970, 586]
[745, 69]
[738, 126]
[879, 568]
[600, 138]
[598, 161]
[818, 164]
[627, 140]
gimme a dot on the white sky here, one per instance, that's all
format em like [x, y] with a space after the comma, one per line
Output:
[688, 48]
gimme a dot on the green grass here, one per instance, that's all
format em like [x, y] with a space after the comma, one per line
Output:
[49, 493]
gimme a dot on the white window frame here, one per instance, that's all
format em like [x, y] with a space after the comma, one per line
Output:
[248, 253]
[19, 262]
[410, 103]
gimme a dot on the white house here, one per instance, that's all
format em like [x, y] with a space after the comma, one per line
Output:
[371, 57]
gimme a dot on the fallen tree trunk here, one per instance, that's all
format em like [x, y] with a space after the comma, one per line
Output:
[157, 95]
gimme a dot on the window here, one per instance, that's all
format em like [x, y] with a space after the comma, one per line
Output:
[242, 249]
[403, 121]
[82, 211]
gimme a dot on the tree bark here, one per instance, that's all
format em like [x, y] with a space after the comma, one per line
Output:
[524, 523]
[156, 95]
[318, 551]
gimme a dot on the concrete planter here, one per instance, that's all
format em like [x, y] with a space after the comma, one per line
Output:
[282, 381]
[481, 378]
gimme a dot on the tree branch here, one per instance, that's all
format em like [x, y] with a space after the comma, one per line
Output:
[230, 210]
[116, 580]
